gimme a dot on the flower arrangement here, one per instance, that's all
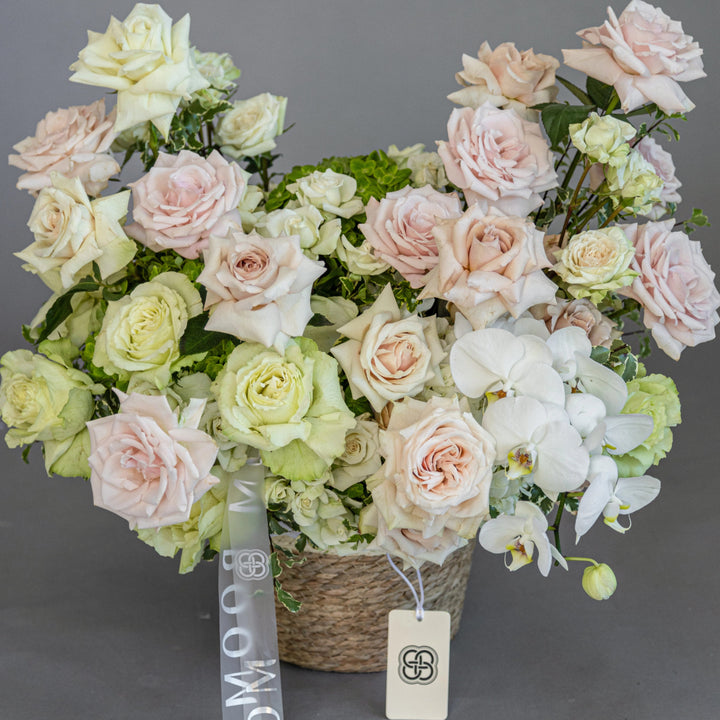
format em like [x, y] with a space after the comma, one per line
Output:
[420, 347]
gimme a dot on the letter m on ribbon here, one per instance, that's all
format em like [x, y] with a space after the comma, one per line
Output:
[248, 685]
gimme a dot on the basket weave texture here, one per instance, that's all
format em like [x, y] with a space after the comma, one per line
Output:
[342, 624]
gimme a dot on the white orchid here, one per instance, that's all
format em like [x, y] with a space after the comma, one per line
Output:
[611, 496]
[571, 351]
[496, 363]
[536, 439]
[520, 535]
[615, 434]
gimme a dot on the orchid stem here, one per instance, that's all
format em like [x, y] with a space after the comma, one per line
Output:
[582, 559]
[556, 523]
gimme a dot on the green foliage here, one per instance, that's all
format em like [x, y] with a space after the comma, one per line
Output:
[557, 117]
[286, 598]
[148, 264]
[599, 93]
[376, 175]
[696, 220]
[216, 356]
[535, 495]
[61, 309]
[197, 340]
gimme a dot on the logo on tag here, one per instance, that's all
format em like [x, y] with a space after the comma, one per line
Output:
[252, 564]
[418, 665]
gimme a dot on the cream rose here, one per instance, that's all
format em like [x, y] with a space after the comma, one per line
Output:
[496, 158]
[250, 128]
[388, 356]
[489, 264]
[675, 286]
[506, 77]
[427, 167]
[317, 237]
[578, 313]
[361, 457]
[643, 54]
[332, 192]
[147, 60]
[595, 262]
[74, 142]
[437, 471]
[360, 260]
[183, 199]
[148, 465]
[635, 182]
[258, 289]
[140, 334]
[603, 138]
[72, 232]
[399, 228]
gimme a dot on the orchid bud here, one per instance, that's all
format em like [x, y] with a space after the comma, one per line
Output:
[599, 581]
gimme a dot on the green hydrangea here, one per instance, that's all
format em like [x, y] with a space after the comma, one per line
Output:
[657, 396]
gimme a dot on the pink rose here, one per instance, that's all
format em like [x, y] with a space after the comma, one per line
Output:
[643, 54]
[675, 286]
[183, 199]
[489, 264]
[507, 77]
[400, 226]
[437, 471]
[664, 167]
[258, 288]
[74, 142]
[578, 313]
[497, 159]
[147, 466]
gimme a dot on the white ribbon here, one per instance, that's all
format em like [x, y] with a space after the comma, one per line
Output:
[249, 661]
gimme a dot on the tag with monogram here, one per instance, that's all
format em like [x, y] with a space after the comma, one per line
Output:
[418, 665]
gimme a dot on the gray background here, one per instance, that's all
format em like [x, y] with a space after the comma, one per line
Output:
[93, 624]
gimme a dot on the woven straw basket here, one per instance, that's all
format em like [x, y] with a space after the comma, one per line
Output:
[342, 624]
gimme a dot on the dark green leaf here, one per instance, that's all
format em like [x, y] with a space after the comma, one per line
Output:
[630, 369]
[556, 118]
[575, 90]
[198, 340]
[61, 309]
[275, 565]
[300, 543]
[600, 354]
[26, 452]
[599, 93]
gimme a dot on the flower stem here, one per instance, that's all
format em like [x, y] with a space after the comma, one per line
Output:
[573, 203]
[556, 523]
[613, 215]
[582, 559]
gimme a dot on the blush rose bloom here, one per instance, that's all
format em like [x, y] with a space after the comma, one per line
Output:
[149, 466]
[147, 60]
[183, 199]
[578, 313]
[74, 142]
[437, 471]
[497, 159]
[399, 228]
[662, 162]
[506, 77]
[388, 356]
[643, 54]
[675, 286]
[258, 288]
[489, 264]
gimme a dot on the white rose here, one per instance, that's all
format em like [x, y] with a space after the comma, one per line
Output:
[361, 457]
[596, 261]
[317, 237]
[360, 260]
[252, 125]
[71, 232]
[388, 357]
[148, 60]
[329, 191]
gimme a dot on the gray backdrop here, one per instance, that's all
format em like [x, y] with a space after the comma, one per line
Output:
[95, 625]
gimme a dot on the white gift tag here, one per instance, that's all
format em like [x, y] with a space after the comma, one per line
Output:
[418, 665]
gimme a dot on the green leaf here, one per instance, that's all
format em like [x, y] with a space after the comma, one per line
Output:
[275, 565]
[599, 92]
[630, 369]
[197, 339]
[600, 354]
[575, 90]
[26, 452]
[61, 309]
[286, 598]
[556, 117]
[301, 542]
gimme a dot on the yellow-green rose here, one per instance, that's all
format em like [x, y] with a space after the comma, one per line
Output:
[41, 399]
[603, 139]
[140, 334]
[289, 406]
[252, 125]
[657, 396]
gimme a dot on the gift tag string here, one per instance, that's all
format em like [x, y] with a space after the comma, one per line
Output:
[419, 601]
